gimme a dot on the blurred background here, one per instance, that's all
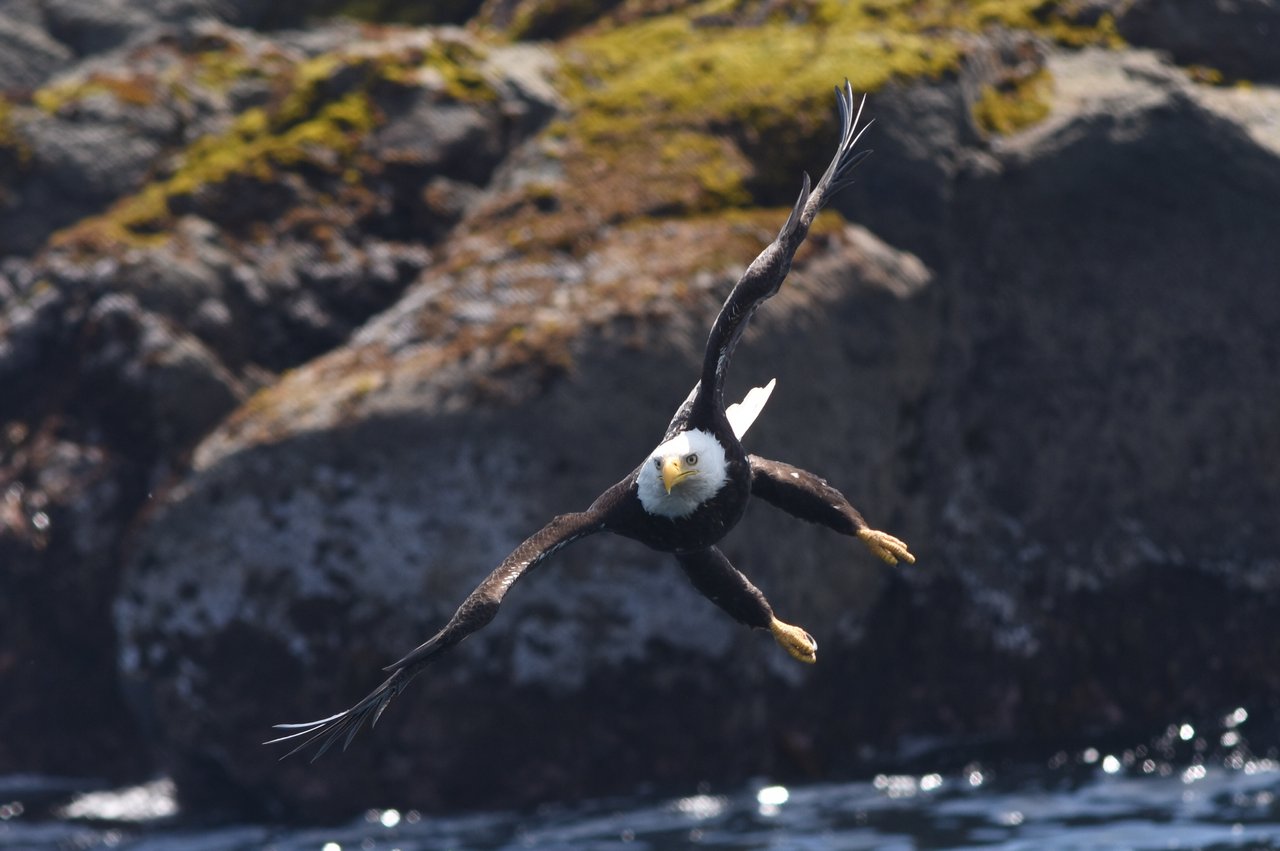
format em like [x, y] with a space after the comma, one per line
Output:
[310, 313]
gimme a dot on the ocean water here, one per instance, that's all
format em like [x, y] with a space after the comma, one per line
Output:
[1183, 789]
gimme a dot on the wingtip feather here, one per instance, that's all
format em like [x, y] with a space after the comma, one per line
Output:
[806, 188]
[343, 725]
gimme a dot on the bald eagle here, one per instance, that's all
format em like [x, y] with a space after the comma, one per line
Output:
[688, 493]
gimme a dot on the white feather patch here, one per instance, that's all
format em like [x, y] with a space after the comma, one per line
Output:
[742, 414]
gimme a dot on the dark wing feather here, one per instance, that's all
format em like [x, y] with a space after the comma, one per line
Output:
[803, 494]
[767, 271]
[476, 611]
[681, 417]
[809, 497]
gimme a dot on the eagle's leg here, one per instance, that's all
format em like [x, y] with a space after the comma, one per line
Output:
[795, 641]
[723, 584]
[809, 497]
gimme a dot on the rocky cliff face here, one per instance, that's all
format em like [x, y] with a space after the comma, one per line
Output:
[373, 304]
[292, 187]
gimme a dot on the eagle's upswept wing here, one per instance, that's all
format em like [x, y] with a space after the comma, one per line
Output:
[766, 273]
[476, 611]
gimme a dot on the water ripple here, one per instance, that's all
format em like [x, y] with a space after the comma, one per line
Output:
[1185, 789]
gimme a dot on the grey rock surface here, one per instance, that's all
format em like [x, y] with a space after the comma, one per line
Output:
[28, 55]
[74, 167]
[120, 349]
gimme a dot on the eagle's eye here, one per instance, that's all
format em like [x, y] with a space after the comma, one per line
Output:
[691, 459]
[657, 462]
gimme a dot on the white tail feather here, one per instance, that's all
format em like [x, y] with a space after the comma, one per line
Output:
[742, 414]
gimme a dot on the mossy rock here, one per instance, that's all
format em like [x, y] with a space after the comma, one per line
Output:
[9, 138]
[1014, 105]
[743, 89]
[693, 110]
[317, 126]
[125, 87]
[210, 61]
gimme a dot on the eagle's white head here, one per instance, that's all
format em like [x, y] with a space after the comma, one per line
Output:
[681, 474]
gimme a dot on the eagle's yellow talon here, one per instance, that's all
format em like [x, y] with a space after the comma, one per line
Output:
[886, 546]
[795, 641]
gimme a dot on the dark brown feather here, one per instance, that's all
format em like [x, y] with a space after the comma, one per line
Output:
[765, 275]
[804, 495]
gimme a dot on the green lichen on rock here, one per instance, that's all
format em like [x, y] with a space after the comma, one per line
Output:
[682, 112]
[689, 73]
[218, 62]
[257, 145]
[255, 148]
[679, 108]
[14, 150]
[458, 63]
[7, 137]
[1012, 106]
[213, 61]
[127, 88]
[1206, 75]
[325, 110]
[706, 66]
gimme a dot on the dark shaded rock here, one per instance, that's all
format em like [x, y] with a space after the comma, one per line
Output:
[153, 377]
[100, 397]
[62, 504]
[1104, 416]
[28, 56]
[925, 137]
[74, 166]
[1237, 37]
[1119, 333]
[89, 28]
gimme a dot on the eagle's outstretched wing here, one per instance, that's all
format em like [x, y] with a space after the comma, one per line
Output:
[809, 497]
[767, 271]
[476, 611]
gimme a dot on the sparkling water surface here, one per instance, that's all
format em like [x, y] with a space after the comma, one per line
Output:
[1183, 790]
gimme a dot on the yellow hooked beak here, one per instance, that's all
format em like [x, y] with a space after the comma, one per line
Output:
[673, 472]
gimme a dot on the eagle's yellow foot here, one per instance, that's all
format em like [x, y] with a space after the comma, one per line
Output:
[795, 641]
[886, 546]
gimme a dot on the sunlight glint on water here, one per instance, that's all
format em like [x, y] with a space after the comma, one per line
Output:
[1188, 788]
